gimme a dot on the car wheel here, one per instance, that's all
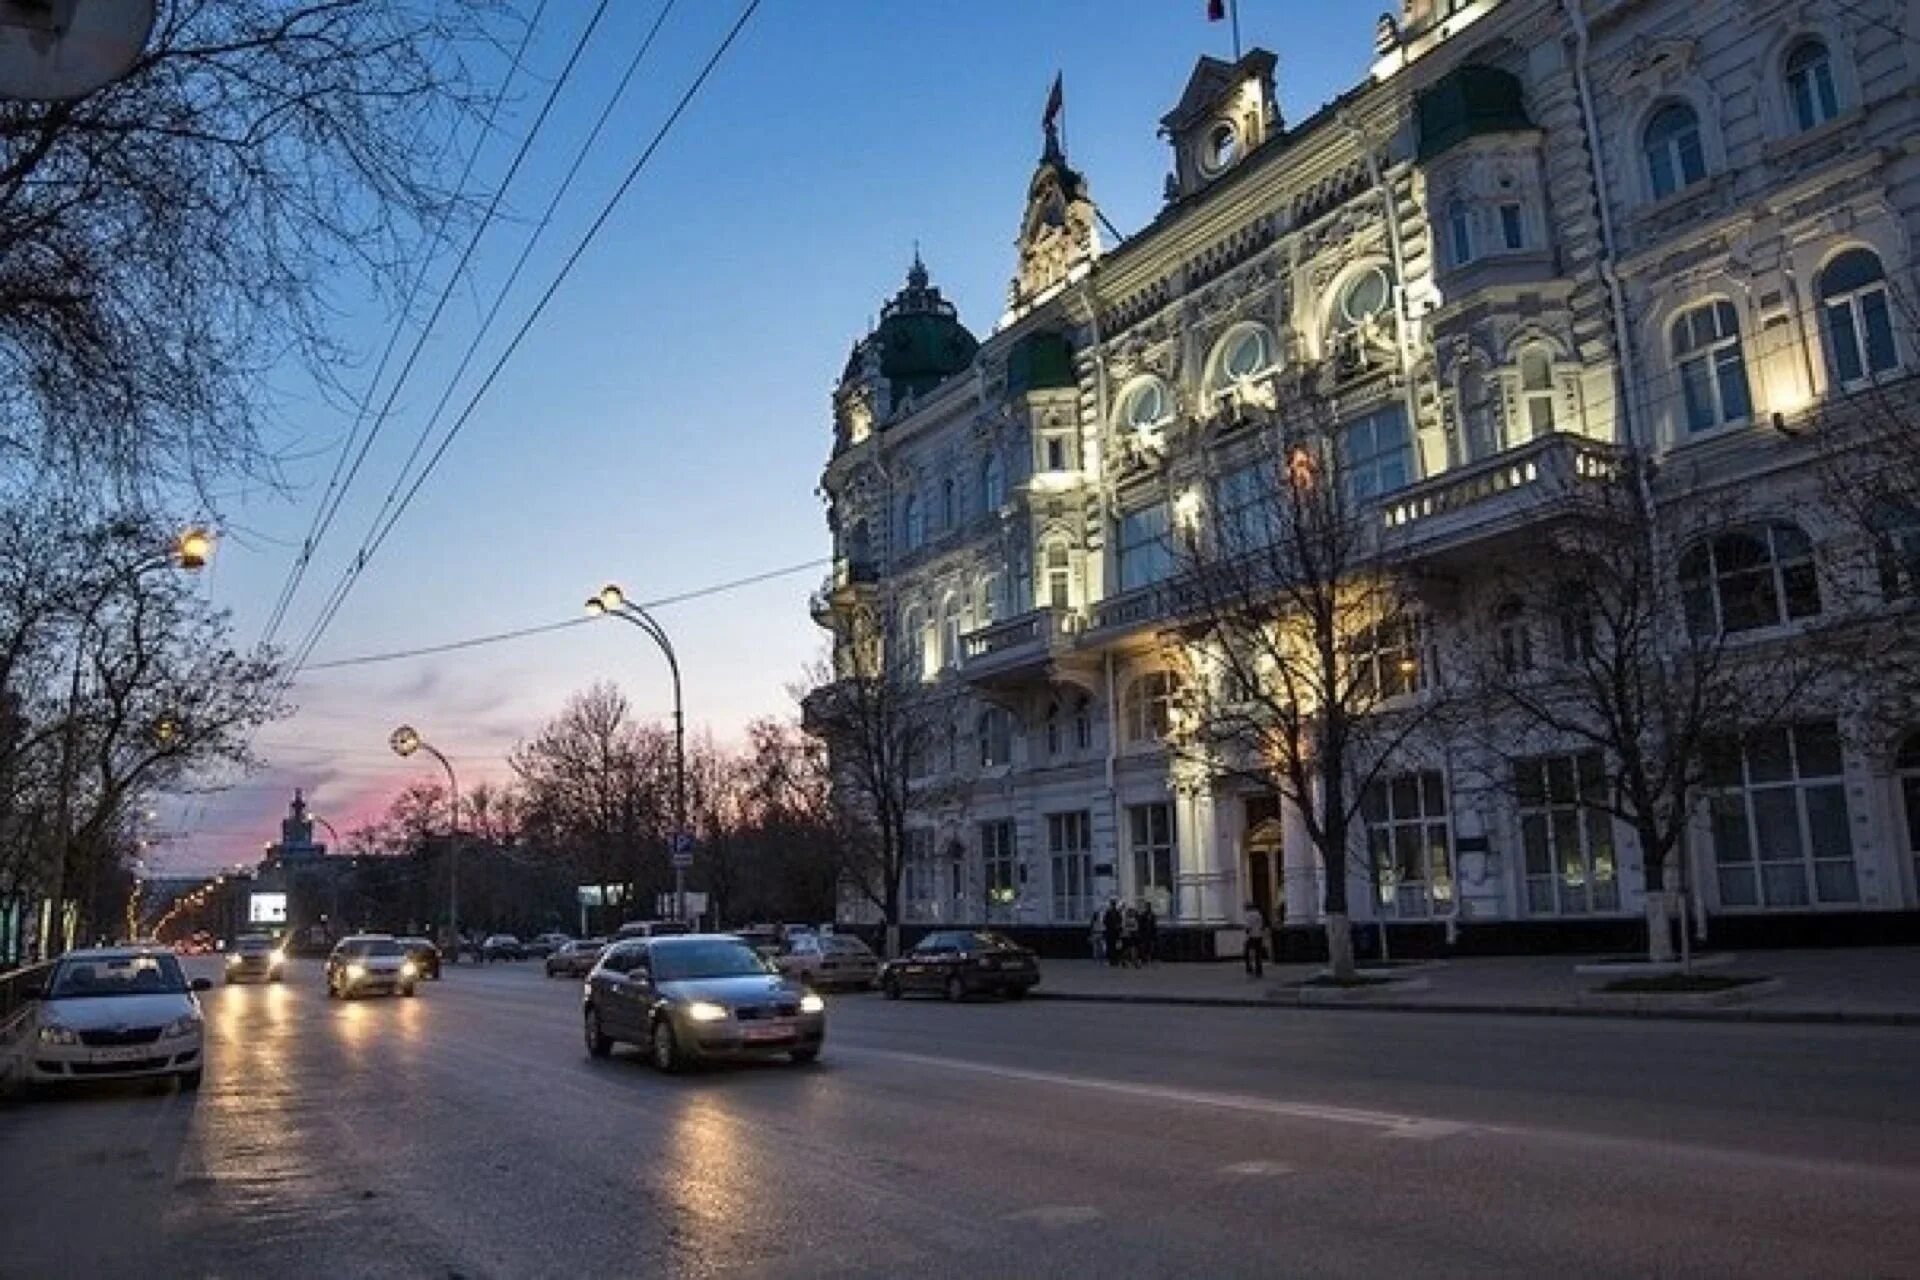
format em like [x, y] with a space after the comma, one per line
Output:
[666, 1047]
[190, 1080]
[801, 1057]
[276, 977]
[1015, 993]
[597, 1042]
[333, 992]
[956, 989]
[890, 988]
[407, 991]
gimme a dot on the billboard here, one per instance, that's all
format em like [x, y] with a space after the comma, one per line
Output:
[267, 908]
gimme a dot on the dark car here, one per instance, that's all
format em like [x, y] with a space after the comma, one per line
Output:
[425, 956]
[255, 955]
[502, 946]
[575, 959]
[698, 996]
[959, 963]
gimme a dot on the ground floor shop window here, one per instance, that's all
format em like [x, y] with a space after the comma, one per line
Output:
[1778, 811]
[1410, 852]
[1150, 837]
[1566, 837]
[1070, 851]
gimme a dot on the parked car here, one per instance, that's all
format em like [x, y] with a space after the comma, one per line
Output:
[698, 996]
[575, 959]
[651, 929]
[830, 960]
[545, 945]
[502, 946]
[369, 963]
[959, 963]
[255, 955]
[112, 1013]
[425, 956]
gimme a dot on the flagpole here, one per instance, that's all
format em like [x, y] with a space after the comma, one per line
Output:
[1233, 13]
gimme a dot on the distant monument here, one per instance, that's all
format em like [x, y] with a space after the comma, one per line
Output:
[296, 846]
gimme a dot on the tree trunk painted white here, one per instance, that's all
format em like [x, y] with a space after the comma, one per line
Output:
[1659, 928]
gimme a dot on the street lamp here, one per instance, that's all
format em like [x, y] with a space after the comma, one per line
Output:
[612, 602]
[405, 741]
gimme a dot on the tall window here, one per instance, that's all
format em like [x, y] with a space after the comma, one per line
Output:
[1389, 660]
[1248, 518]
[1536, 390]
[1059, 576]
[1713, 372]
[995, 729]
[986, 599]
[1377, 454]
[1145, 552]
[1150, 839]
[1671, 147]
[1513, 638]
[1410, 853]
[993, 484]
[913, 643]
[1082, 723]
[1460, 232]
[913, 522]
[1748, 579]
[1513, 226]
[1055, 741]
[1058, 455]
[998, 860]
[1070, 850]
[1149, 706]
[950, 632]
[1778, 809]
[1907, 767]
[949, 505]
[1810, 84]
[1896, 535]
[1857, 318]
[921, 886]
[1566, 835]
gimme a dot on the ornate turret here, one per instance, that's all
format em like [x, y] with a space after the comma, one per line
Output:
[1058, 237]
[918, 344]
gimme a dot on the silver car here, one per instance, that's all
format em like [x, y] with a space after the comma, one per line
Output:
[112, 1013]
[368, 963]
[574, 959]
[699, 996]
[830, 960]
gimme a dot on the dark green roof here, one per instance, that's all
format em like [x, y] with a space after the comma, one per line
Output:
[1468, 102]
[921, 349]
[1039, 362]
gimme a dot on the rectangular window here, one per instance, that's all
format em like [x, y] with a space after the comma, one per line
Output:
[921, 887]
[1056, 453]
[1145, 551]
[1376, 454]
[1779, 819]
[1512, 227]
[1409, 845]
[1248, 517]
[1150, 839]
[998, 859]
[1565, 836]
[1070, 851]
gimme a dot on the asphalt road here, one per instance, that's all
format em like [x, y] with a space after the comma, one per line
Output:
[466, 1133]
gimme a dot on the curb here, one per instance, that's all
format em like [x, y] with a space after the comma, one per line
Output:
[1819, 1017]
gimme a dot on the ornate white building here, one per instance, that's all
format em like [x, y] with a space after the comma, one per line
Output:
[1543, 233]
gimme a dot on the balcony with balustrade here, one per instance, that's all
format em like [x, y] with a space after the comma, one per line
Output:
[1497, 496]
[1019, 650]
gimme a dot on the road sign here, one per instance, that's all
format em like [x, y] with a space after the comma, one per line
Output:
[682, 851]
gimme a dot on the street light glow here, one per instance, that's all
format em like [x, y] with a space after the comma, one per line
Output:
[193, 548]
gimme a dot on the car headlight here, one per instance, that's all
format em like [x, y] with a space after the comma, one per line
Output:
[185, 1025]
[408, 969]
[233, 958]
[54, 1033]
[705, 1011]
[355, 972]
[279, 958]
[811, 1003]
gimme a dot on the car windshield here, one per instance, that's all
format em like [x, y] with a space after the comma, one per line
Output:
[117, 976]
[373, 947]
[705, 958]
[845, 946]
[253, 946]
[988, 942]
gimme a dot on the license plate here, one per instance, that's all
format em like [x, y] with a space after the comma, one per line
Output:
[774, 1031]
[133, 1054]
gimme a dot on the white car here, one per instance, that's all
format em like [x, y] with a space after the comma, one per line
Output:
[370, 963]
[114, 1013]
[829, 960]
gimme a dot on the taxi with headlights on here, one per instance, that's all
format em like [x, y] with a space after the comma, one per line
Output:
[370, 964]
[696, 997]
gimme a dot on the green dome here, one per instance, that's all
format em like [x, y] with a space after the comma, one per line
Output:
[921, 340]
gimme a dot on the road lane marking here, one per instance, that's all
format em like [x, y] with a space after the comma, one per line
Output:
[1057, 1215]
[1417, 1128]
[1257, 1169]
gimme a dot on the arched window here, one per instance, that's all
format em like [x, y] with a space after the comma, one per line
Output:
[1053, 729]
[993, 484]
[950, 632]
[1896, 534]
[913, 522]
[1148, 706]
[1536, 389]
[1809, 71]
[1362, 299]
[1513, 638]
[1749, 579]
[995, 732]
[1145, 405]
[1459, 232]
[1243, 354]
[1713, 370]
[1857, 319]
[986, 599]
[1671, 147]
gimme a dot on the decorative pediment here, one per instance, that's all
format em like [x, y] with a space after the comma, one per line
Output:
[1652, 66]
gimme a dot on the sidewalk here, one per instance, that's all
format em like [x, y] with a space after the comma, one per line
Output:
[1878, 985]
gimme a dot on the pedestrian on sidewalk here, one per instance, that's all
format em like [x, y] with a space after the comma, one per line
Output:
[1130, 935]
[1149, 931]
[1256, 949]
[1110, 930]
[1097, 935]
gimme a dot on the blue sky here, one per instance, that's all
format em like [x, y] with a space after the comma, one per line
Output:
[665, 423]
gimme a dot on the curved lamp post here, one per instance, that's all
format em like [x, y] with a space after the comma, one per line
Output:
[612, 602]
[405, 741]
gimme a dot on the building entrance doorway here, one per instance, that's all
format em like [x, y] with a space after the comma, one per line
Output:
[1262, 869]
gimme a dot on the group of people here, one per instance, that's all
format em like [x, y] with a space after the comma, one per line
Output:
[1125, 933]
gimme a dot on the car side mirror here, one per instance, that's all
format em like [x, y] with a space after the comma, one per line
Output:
[203, 984]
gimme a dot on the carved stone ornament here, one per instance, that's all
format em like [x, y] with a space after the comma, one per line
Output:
[1652, 67]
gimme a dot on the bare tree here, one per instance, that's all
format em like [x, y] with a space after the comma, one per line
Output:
[1304, 655]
